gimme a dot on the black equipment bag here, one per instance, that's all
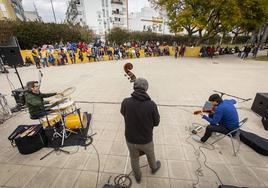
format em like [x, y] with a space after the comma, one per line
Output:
[29, 142]
[259, 144]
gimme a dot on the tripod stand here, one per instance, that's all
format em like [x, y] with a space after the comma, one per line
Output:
[56, 135]
[55, 150]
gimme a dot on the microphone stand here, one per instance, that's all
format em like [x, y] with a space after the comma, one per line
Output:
[222, 93]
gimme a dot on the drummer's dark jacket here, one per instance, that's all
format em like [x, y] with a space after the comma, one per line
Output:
[35, 102]
[141, 116]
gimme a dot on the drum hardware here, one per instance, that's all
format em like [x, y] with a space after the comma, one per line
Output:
[55, 135]
[64, 129]
[69, 116]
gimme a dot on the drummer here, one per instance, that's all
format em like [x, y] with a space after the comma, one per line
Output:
[35, 100]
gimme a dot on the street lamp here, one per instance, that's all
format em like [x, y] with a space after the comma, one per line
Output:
[53, 11]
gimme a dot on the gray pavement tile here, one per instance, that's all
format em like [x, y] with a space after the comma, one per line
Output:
[183, 82]
[23, 176]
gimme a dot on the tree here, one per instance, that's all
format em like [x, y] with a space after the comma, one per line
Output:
[209, 18]
[252, 15]
[38, 33]
[118, 35]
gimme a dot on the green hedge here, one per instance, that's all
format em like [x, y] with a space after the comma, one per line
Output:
[38, 33]
[120, 36]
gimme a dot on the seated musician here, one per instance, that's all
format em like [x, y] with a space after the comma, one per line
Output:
[224, 119]
[35, 102]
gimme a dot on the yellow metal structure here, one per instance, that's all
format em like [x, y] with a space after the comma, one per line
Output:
[189, 52]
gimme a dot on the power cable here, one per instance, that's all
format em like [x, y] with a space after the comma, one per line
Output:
[11, 85]
[120, 180]
[198, 171]
[98, 156]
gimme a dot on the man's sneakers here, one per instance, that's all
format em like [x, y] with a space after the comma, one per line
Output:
[158, 165]
[197, 138]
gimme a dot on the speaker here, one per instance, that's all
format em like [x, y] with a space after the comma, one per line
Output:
[264, 120]
[11, 55]
[260, 104]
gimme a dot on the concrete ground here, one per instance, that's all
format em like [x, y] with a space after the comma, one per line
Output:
[183, 81]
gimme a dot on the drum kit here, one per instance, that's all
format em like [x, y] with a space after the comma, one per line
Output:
[65, 113]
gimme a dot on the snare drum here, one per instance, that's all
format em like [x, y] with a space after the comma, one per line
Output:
[52, 119]
[73, 121]
[65, 108]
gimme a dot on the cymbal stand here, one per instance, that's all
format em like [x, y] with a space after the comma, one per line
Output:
[64, 130]
[55, 134]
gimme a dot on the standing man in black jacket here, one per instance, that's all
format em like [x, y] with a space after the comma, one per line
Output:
[141, 116]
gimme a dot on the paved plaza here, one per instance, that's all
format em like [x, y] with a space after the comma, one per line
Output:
[182, 81]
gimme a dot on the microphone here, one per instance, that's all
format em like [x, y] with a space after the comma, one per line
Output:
[40, 75]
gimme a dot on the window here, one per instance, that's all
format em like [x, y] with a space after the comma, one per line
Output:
[2, 7]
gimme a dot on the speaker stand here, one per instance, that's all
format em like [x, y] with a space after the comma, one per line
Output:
[16, 71]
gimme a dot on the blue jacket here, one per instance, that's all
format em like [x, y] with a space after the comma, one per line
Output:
[225, 114]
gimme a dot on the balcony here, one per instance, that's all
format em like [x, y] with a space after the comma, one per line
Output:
[114, 12]
[120, 2]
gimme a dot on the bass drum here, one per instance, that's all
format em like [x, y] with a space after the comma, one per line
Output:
[73, 121]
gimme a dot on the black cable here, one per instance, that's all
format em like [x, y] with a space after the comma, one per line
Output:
[121, 179]
[11, 85]
[198, 171]
[98, 165]
[117, 179]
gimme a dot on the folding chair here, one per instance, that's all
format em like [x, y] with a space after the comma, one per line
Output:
[235, 134]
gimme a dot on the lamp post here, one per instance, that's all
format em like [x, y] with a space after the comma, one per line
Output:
[127, 15]
[53, 11]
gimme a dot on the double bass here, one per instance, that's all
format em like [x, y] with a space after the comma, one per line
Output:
[129, 74]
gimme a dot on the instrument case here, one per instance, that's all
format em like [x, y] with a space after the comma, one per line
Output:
[257, 143]
[28, 143]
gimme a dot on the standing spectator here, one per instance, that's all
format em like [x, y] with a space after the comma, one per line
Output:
[64, 56]
[211, 51]
[182, 51]
[176, 51]
[246, 52]
[36, 58]
[255, 51]
[101, 53]
[80, 55]
[44, 57]
[72, 56]
[141, 116]
[110, 53]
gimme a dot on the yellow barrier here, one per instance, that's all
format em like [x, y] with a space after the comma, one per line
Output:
[189, 52]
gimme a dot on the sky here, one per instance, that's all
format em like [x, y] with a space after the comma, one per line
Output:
[60, 6]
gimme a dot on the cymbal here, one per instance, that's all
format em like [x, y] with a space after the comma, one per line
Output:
[57, 101]
[66, 92]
